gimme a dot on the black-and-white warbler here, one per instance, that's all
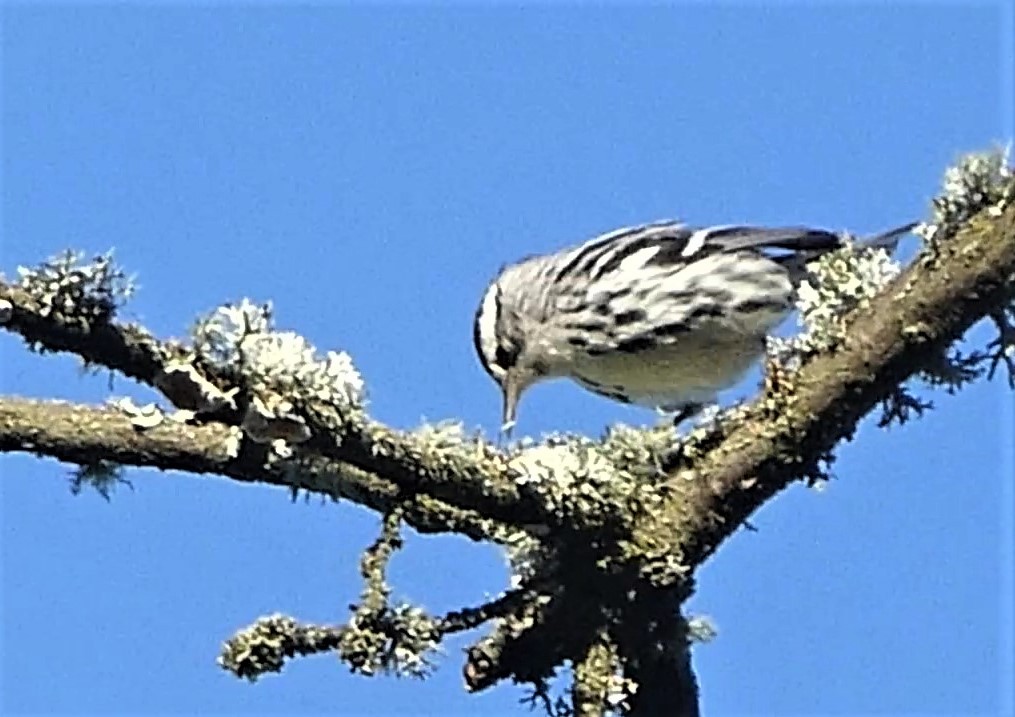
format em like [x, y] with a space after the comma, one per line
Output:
[661, 315]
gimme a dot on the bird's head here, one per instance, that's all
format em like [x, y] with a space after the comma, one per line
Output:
[506, 342]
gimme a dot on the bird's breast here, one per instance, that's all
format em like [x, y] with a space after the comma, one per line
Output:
[692, 370]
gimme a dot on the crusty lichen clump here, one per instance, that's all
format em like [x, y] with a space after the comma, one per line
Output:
[978, 181]
[69, 287]
[242, 338]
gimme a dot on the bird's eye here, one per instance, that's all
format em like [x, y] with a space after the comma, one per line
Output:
[506, 356]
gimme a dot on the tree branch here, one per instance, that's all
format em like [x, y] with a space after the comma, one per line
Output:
[472, 477]
[84, 435]
[594, 690]
[786, 433]
[626, 524]
[656, 655]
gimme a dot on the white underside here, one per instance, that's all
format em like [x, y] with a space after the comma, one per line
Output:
[672, 376]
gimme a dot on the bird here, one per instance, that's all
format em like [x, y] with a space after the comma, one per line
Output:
[661, 315]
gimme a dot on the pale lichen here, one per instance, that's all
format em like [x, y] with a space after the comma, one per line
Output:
[838, 283]
[188, 390]
[982, 182]
[599, 680]
[641, 452]
[241, 339]
[68, 287]
[620, 690]
[574, 476]
[701, 628]
[978, 181]
[446, 444]
[399, 640]
[526, 557]
[234, 441]
[289, 388]
[264, 646]
[141, 417]
[217, 336]
[380, 637]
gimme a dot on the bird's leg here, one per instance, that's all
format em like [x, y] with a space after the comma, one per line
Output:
[688, 410]
[506, 429]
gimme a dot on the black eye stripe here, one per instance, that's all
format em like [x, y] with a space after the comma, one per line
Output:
[509, 346]
[507, 355]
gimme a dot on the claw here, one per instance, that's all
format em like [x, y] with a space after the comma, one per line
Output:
[688, 410]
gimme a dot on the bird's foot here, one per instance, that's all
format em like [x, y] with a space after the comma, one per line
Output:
[681, 413]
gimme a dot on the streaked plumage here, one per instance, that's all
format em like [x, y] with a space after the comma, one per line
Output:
[660, 314]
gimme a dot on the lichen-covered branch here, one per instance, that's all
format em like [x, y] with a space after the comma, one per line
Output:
[84, 435]
[594, 691]
[787, 433]
[265, 645]
[519, 646]
[471, 474]
[655, 654]
[603, 535]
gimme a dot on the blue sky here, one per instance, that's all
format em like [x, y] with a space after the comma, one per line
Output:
[369, 169]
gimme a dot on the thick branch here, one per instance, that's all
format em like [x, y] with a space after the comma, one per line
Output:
[658, 661]
[84, 435]
[476, 480]
[932, 304]
[785, 435]
[782, 437]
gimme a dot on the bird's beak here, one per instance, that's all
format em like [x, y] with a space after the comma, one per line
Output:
[511, 389]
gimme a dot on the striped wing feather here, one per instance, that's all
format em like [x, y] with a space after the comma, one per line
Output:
[656, 283]
[672, 244]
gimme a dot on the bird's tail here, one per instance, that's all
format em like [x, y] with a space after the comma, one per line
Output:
[889, 240]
